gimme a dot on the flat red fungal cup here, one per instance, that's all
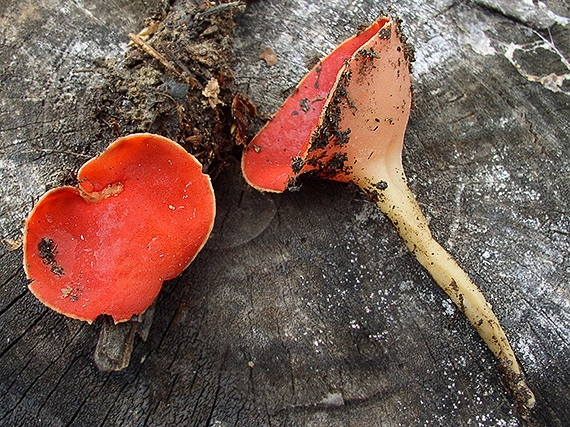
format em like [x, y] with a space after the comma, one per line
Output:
[140, 214]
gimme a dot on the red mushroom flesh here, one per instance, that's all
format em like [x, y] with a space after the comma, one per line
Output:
[267, 164]
[140, 214]
[359, 137]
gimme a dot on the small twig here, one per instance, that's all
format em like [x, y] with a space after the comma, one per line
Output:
[553, 48]
[184, 74]
[185, 71]
[239, 5]
[154, 53]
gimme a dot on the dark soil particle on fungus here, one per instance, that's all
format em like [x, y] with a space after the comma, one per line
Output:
[328, 130]
[297, 164]
[47, 250]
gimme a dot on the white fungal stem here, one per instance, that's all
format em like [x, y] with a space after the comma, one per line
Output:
[396, 200]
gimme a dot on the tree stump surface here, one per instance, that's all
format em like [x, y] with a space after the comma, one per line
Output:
[306, 309]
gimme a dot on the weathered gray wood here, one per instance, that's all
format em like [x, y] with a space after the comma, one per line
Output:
[313, 312]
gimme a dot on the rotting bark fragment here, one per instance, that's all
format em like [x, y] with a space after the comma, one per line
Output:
[243, 111]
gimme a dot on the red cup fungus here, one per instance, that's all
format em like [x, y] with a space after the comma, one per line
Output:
[140, 213]
[346, 122]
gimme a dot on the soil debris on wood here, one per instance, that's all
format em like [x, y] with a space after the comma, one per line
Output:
[176, 80]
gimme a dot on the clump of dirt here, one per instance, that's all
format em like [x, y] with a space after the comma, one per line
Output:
[176, 80]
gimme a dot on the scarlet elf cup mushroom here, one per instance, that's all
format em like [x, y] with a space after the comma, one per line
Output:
[140, 213]
[346, 122]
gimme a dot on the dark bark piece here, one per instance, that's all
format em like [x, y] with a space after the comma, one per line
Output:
[320, 316]
[115, 344]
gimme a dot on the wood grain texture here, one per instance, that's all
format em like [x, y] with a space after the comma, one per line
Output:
[305, 309]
